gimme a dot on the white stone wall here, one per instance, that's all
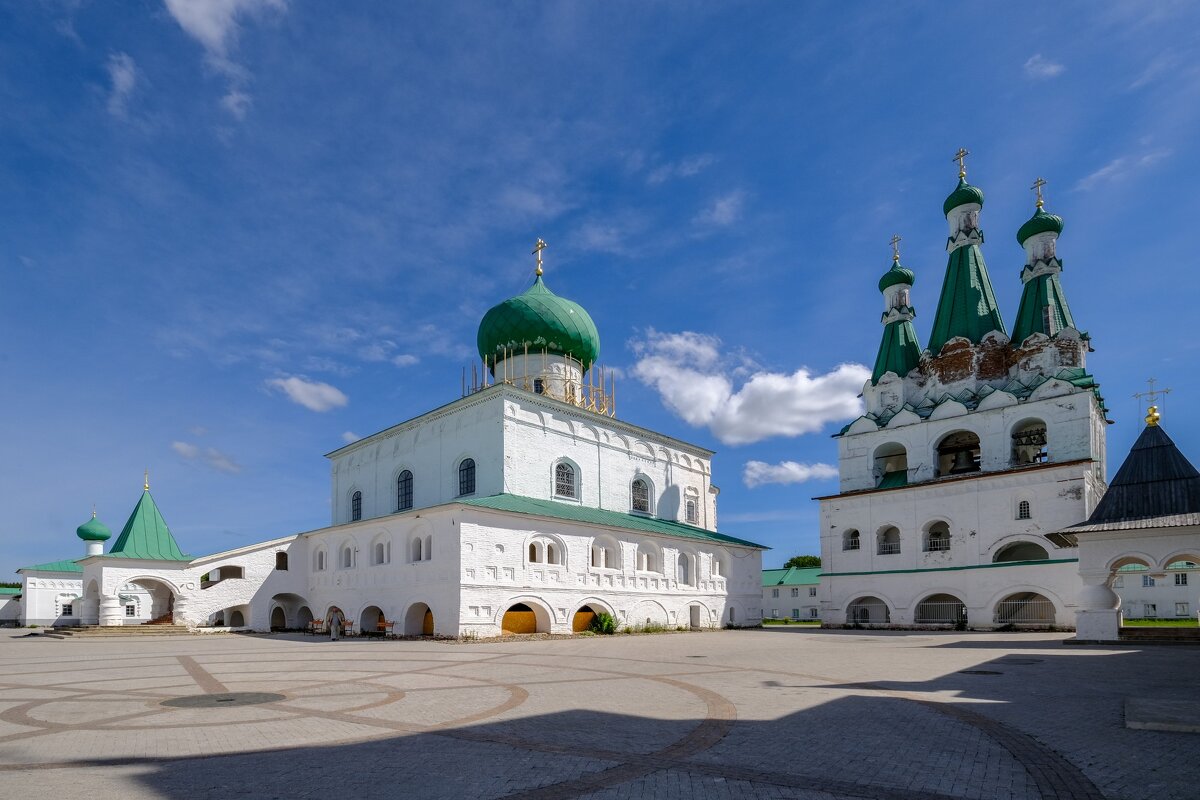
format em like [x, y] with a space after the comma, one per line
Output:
[1164, 595]
[10, 610]
[41, 592]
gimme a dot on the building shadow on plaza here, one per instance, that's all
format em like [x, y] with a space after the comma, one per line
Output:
[961, 734]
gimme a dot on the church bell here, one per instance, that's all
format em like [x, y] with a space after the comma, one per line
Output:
[963, 462]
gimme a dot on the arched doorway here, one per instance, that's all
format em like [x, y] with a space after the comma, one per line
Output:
[519, 619]
[1024, 608]
[236, 618]
[289, 605]
[868, 611]
[278, 619]
[582, 619]
[418, 621]
[941, 609]
[368, 621]
[303, 617]
[160, 602]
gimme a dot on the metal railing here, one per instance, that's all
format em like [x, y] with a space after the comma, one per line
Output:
[1017, 612]
[850, 544]
[888, 548]
[940, 612]
[868, 614]
[936, 545]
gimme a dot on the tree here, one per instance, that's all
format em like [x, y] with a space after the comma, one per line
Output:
[803, 561]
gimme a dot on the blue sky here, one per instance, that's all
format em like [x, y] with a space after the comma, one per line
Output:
[233, 233]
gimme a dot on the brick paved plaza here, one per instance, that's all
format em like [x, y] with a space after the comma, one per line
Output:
[778, 713]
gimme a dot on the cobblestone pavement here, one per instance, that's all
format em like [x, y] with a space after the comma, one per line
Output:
[776, 713]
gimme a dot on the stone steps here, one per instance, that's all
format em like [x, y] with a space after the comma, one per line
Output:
[1147, 635]
[108, 631]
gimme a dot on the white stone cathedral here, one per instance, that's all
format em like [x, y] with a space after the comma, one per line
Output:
[522, 506]
[971, 449]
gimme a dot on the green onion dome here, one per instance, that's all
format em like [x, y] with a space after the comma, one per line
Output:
[896, 275]
[963, 193]
[1040, 222]
[93, 531]
[539, 320]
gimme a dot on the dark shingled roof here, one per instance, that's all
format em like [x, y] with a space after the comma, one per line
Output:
[1155, 482]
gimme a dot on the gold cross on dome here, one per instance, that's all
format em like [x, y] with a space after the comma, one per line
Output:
[1154, 397]
[959, 157]
[537, 251]
[895, 246]
[1037, 187]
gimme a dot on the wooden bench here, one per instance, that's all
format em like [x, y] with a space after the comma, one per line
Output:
[386, 628]
[316, 627]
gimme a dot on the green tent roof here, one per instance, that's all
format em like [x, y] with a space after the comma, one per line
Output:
[146, 535]
[967, 306]
[791, 576]
[607, 519]
[539, 320]
[899, 351]
[1040, 293]
[66, 565]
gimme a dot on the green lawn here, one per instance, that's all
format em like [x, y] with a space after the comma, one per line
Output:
[791, 622]
[1162, 623]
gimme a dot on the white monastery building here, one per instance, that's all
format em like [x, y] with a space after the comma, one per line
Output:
[522, 506]
[970, 451]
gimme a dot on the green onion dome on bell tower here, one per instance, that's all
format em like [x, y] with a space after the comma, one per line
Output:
[93, 530]
[1041, 222]
[539, 321]
[897, 276]
[963, 193]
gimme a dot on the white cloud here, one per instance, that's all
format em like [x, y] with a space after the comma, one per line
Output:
[209, 456]
[350, 437]
[313, 395]
[405, 360]
[214, 24]
[1039, 67]
[723, 211]
[757, 473]
[685, 168]
[123, 73]
[696, 381]
[1120, 168]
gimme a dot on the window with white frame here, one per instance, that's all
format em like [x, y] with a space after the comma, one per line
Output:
[774, 593]
[418, 549]
[68, 610]
[1181, 609]
[690, 513]
[647, 559]
[795, 592]
[347, 557]
[1147, 581]
[1181, 579]
[774, 613]
[564, 481]
[1151, 610]
[812, 591]
[131, 610]
[319, 561]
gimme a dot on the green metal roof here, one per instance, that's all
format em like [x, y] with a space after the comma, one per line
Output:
[1041, 293]
[146, 535]
[894, 479]
[598, 516]
[899, 351]
[1040, 222]
[66, 565]
[93, 531]
[997, 565]
[963, 193]
[10, 590]
[897, 275]
[791, 576]
[542, 321]
[967, 306]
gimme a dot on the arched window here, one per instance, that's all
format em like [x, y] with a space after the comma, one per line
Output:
[937, 537]
[851, 540]
[533, 553]
[347, 557]
[466, 476]
[564, 480]
[683, 571]
[1029, 443]
[404, 491]
[417, 547]
[356, 507]
[891, 466]
[689, 511]
[281, 561]
[551, 554]
[429, 547]
[958, 454]
[380, 552]
[604, 554]
[647, 559]
[640, 494]
[319, 561]
[716, 565]
[1024, 510]
[889, 541]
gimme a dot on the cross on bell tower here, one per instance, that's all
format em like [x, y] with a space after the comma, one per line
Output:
[1037, 187]
[895, 243]
[1153, 396]
[960, 157]
[538, 247]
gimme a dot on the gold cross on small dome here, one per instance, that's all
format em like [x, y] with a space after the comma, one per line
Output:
[537, 251]
[895, 246]
[960, 157]
[1037, 187]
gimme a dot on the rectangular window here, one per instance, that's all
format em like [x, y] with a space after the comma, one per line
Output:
[68, 610]
[774, 613]
[795, 592]
[1119, 583]
[1151, 610]
[795, 613]
[1147, 580]
[1181, 609]
[774, 593]
[812, 612]
[1181, 579]
[812, 591]
[131, 610]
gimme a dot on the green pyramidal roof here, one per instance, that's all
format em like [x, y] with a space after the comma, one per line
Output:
[899, 351]
[539, 320]
[967, 306]
[146, 535]
[1042, 293]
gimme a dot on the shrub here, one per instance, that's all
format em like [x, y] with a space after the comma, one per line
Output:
[603, 623]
